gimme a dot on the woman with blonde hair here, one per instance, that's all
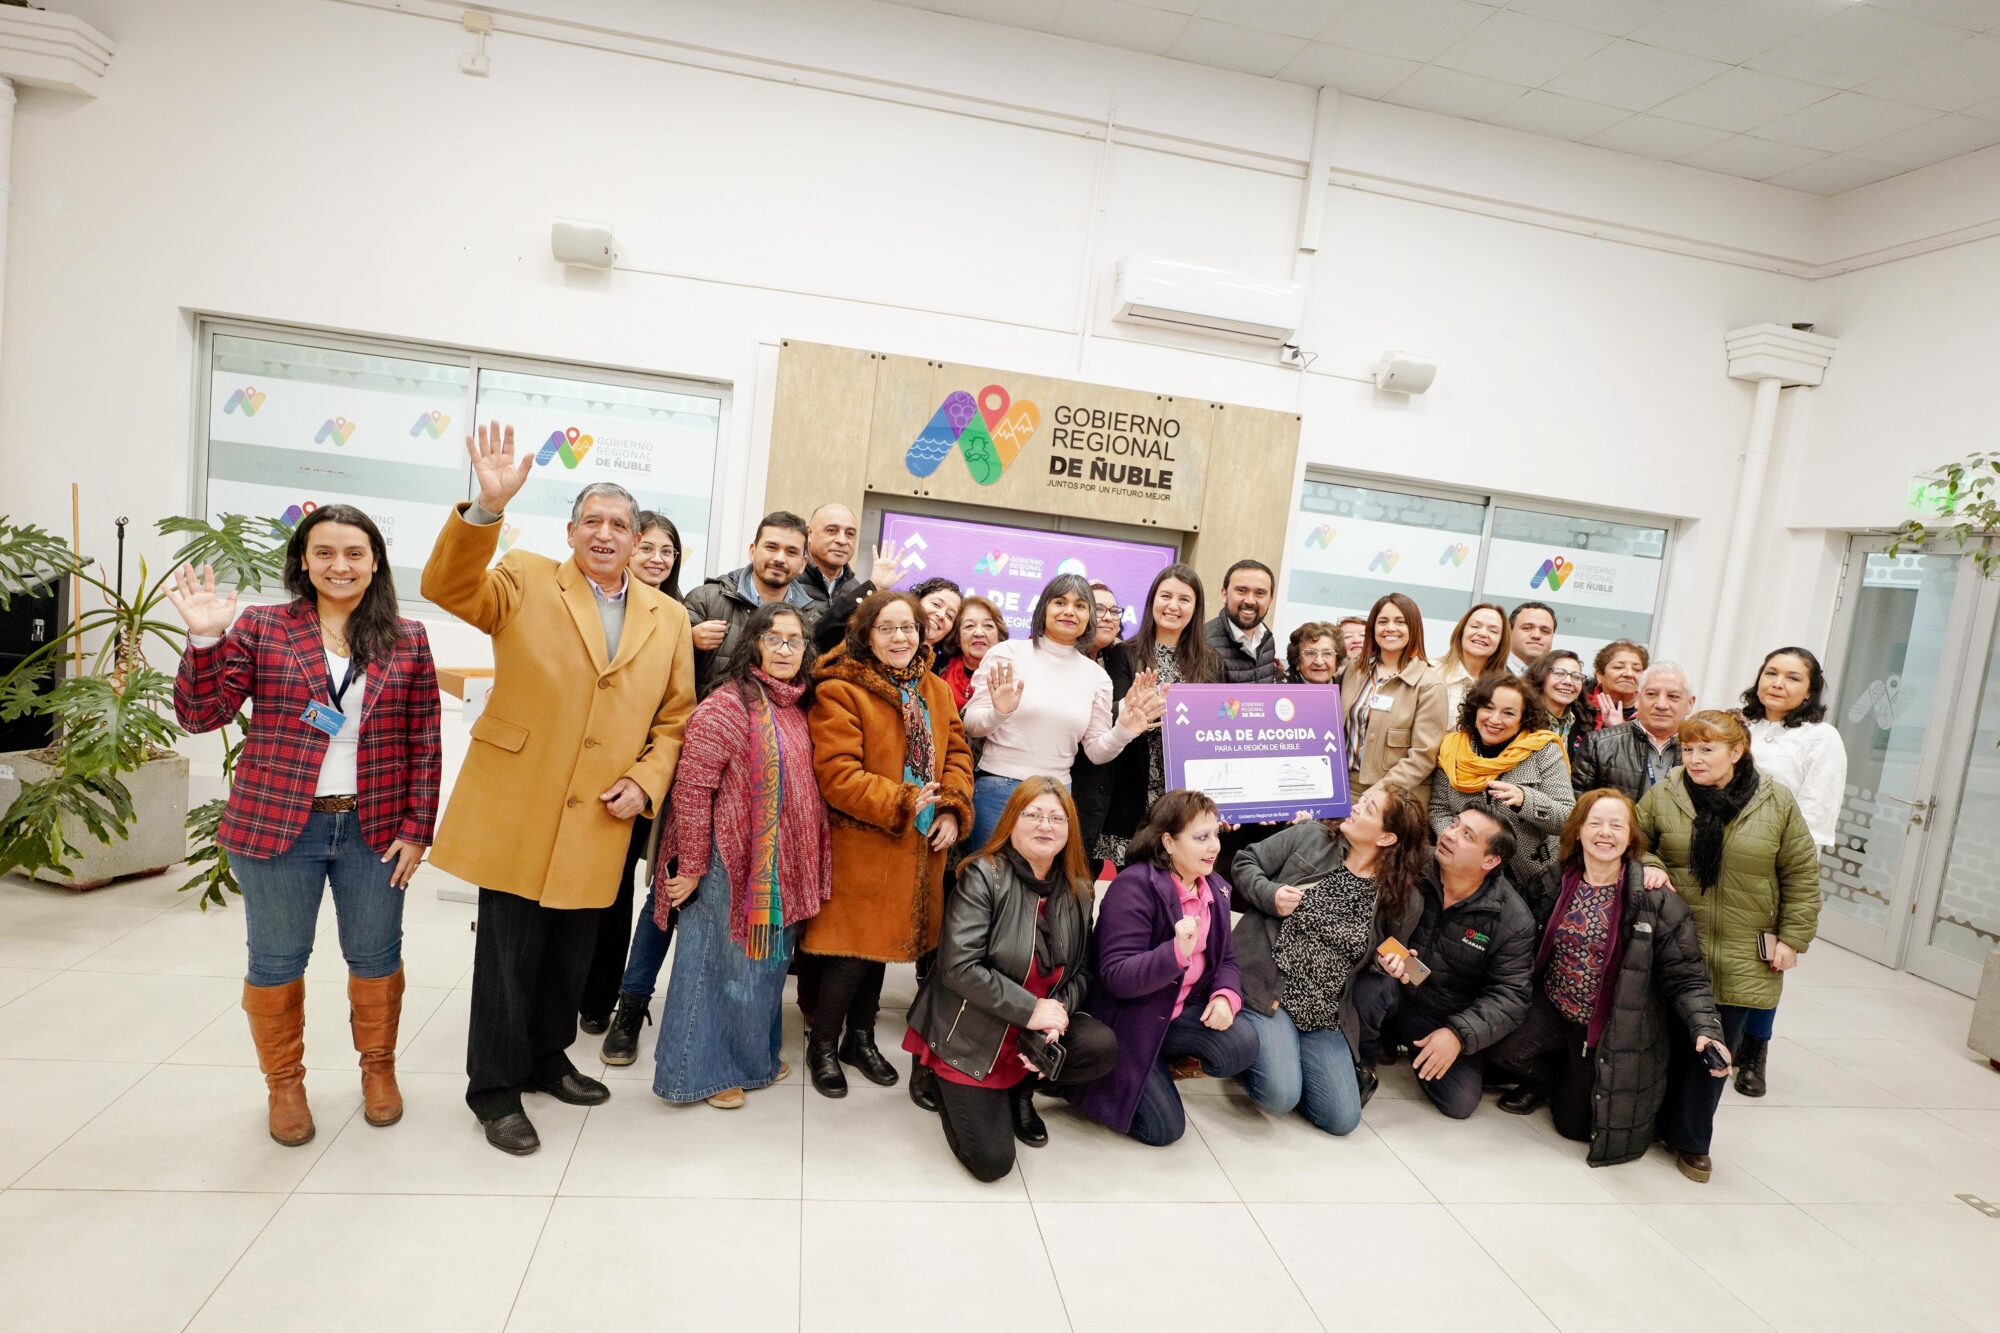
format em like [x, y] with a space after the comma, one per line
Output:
[1479, 644]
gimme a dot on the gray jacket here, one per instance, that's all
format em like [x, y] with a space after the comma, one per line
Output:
[1548, 798]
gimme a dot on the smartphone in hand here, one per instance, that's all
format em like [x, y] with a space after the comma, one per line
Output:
[1415, 970]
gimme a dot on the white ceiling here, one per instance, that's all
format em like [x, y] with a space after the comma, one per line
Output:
[1815, 95]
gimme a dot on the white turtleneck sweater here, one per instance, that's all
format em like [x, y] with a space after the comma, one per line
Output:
[1065, 706]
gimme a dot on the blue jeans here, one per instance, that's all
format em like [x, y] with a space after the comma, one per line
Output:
[724, 1016]
[649, 949]
[1159, 1118]
[281, 896]
[1308, 1071]
[989, 797]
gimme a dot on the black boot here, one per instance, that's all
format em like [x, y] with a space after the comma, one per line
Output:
[1028, 1126]
[923, 1085]
[823, 1064]
[1523, 1099]
[1750, 1067]
[858, 1049]
[592, 1024]
[621, 1043]
[1366, 1081]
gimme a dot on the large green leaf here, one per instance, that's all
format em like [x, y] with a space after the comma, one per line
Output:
[213, 878]
[31, 832]
[28, 555]
[106, 729]
[245, 551]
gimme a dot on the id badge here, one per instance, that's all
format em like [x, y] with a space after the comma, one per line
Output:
[1381, 703]
[324, 716]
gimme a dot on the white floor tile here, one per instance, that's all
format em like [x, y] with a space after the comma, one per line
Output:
[43, 1102]
[861, 1257]
[1591, 1267]
[112, 1016]
[438, 1147]
[329, 1035]
[1085, 1161]
[1491, 1158]
[1953, 1079]
[1403, 1249]
[101, 1263]
[1981, 1125]
[192, 1127]
[875, 1144]
[1945, 1250]
[1831, 1155]
[380, 1261]
[1289, 1159]
[1121, 1267]
[636, 1144]
[18, 981]
[1826, 1284]
[57, 928]
[678, 1263]
[1800, 1074]
[189, 943]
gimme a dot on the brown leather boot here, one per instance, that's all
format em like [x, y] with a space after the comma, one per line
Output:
[278, 1026]
[375, 1010]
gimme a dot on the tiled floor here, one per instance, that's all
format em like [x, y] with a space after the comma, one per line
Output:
[140, 1191]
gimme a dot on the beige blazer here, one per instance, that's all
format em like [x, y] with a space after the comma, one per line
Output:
[562, 724]
[1403, 739]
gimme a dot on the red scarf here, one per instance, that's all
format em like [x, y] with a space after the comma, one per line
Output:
[959, 676]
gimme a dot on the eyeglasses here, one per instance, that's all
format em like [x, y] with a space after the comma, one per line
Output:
[782, 643]
[1564, 673]
[897, 631]
[1056, 820]
[1115, 612]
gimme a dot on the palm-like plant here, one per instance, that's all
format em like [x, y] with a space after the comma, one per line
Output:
[119, 713]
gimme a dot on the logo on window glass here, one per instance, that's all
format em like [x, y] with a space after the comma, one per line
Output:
[1454, 555]
[1320, 537]
[293, 513]
[1385, 560]
[432, 423]
[570, 445]
[987, 432]
[245, 400]
[993, 562]
[338, 429]
[1555, 572]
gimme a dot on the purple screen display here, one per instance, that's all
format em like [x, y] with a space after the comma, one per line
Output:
[1009, 565]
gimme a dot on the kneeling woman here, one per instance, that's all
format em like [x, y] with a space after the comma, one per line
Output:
[1165, 976]
[1012, 971]
[746, 807]
[1317, 901]
[1619, 981]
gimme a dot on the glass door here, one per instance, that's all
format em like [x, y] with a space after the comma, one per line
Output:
[1901, 629]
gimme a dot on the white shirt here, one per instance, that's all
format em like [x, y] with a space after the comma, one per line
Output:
[1065, 706]
[340, 771]
[1812, 761]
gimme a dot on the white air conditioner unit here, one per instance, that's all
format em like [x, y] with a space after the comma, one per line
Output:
[1208, 300]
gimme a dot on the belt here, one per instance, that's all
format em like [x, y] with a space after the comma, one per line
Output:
[334, 804]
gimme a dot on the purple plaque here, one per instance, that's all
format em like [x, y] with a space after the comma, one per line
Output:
[1262, 753]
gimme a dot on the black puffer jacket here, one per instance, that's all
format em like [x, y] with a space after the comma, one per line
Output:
[974, 992]
[1238, 666]
[1661, 997]
[1616, 757]
[1482, 959]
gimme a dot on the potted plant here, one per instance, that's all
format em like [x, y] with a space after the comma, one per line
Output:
[109, 797]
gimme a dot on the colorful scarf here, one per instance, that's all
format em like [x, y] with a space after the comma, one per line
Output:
[919, 756]
[765, 936]
[1467, 770]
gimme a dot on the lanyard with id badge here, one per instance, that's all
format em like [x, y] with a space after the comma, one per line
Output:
[326, 716]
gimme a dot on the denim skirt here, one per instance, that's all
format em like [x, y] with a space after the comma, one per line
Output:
[724, 1013]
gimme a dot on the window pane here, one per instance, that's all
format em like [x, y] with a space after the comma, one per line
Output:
[658, 444]
[1356, 543]
[1602, 578]
[292, 426]
[1966, 920]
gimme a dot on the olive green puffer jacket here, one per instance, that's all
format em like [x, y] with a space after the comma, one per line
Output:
[1770, 881]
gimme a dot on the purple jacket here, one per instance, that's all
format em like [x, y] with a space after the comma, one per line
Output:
[1136, 974]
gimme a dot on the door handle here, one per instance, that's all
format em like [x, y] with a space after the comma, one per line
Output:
[1920, 810]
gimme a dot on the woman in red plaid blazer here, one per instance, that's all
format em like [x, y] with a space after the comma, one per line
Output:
[337, 783]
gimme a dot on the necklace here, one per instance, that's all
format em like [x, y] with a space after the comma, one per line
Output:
[335, 641]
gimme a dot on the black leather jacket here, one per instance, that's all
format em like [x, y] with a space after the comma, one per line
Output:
[987, 942]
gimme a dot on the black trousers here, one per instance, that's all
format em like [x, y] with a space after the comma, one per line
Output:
[979, 1123]
[614, 934]
[1546, 1054]
[527, 972]
[1389, 1012]
[850, 994]
[1687, 1117]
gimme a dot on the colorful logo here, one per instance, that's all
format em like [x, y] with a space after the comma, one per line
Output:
[246, 400]
[338, 429]
[1320, 537]
[436, 423]
[509, 534]
[988, 433]
[1555, 572]
[298, 511]
[569, 445]
[1230, 709]
[993, 562]
[1385, 560]
[1454, 555]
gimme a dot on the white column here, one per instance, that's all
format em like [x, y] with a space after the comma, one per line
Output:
[1774, 358]
[6, 188]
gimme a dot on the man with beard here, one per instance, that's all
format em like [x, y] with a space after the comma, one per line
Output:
[721, 607]
[1238, 633]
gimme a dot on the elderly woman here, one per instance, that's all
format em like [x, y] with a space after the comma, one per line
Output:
[744, 805]
[1742, 856]
[891, 760]
[1395, 701]
[1165, 976]
[1317, 900]
[1613, 697]
[1479, 644]
[1503, 751]
[1312, 657]
[1012, 971]
[1619, 983]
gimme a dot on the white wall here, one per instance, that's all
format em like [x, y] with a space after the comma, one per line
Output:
[877, 176]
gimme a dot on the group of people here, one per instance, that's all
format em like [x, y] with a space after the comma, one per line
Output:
[1571, 886]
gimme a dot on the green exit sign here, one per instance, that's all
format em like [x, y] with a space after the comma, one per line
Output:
[1928, 495]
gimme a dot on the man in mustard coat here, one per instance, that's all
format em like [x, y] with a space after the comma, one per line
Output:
[592, 686]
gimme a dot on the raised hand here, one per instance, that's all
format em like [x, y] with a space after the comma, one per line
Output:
[194, 598]
[886, 569]
[1143, 705]
[1004, 687]
[500, 477]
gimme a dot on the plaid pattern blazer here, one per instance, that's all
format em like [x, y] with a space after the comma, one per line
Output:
[272, 658]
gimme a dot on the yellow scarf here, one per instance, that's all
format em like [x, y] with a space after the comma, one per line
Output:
[1469, 771]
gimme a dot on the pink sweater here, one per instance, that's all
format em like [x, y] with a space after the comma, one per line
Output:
[1065, 707]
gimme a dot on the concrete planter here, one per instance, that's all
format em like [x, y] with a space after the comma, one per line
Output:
[156, 839]
[1985, 1034]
